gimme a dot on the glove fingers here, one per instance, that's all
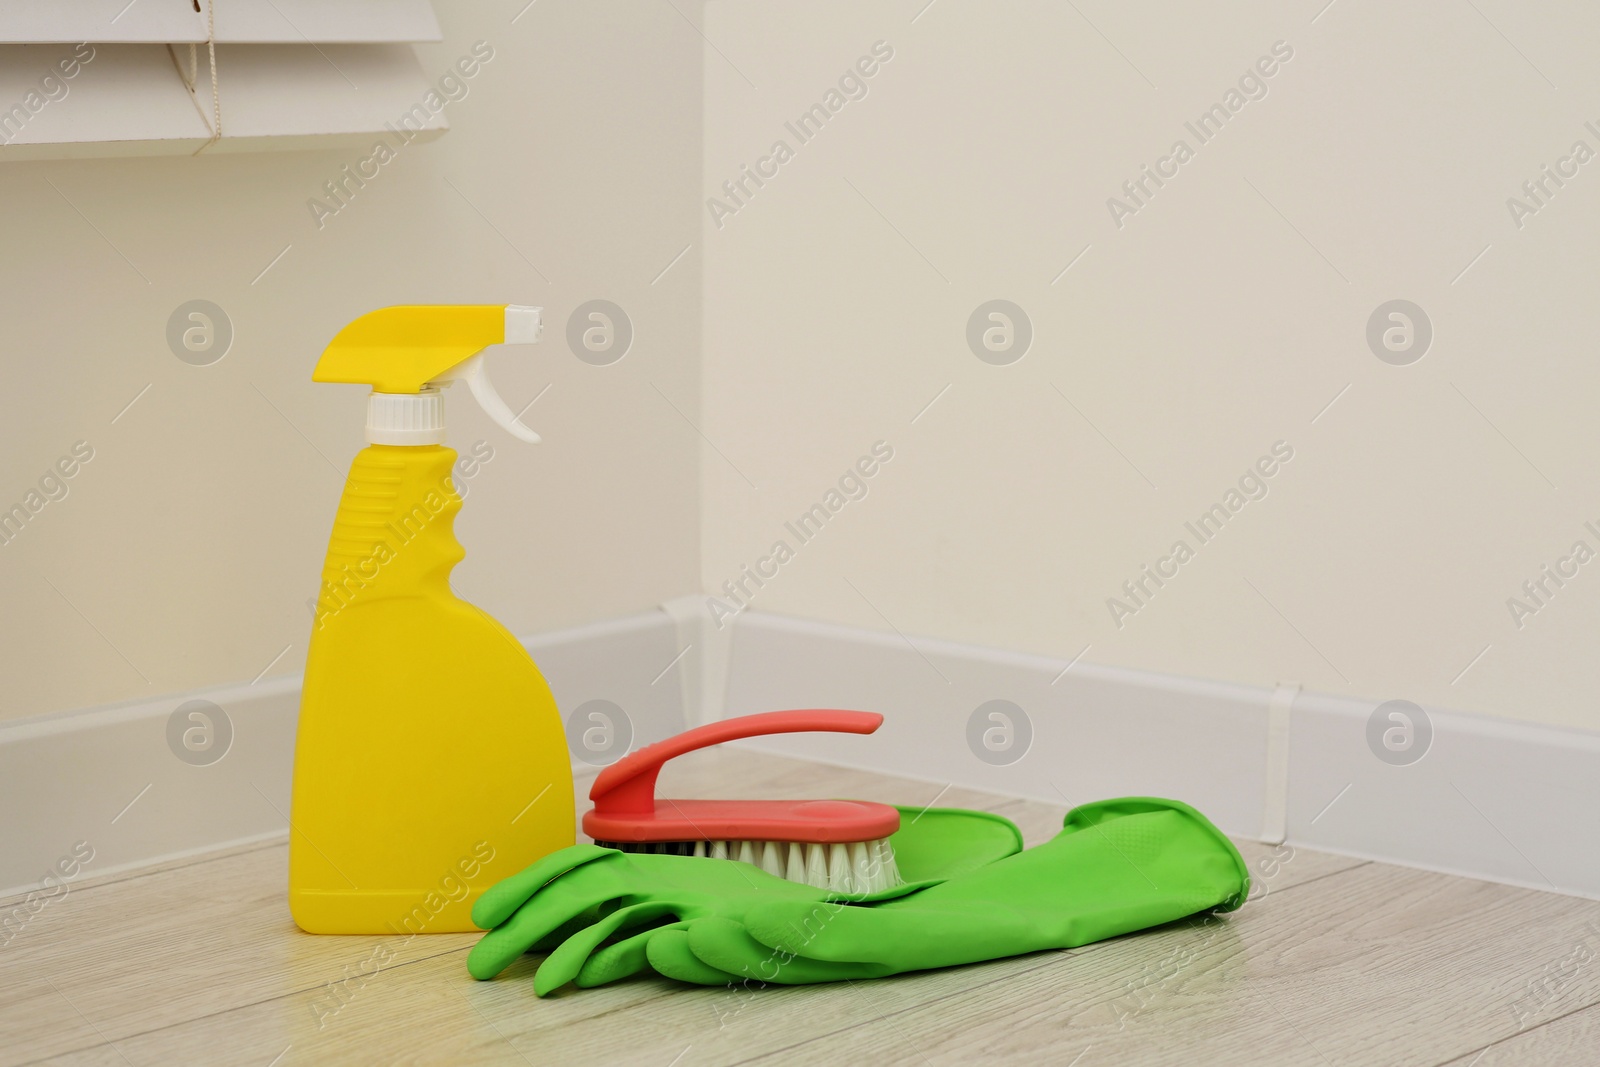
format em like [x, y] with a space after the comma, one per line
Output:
[728, 946]
[669, 953]
[507, 895]
[563, 965]
[500, 947]
[557, 905]
[622, 959]
[549, 941]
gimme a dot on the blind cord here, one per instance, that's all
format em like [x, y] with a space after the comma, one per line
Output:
[214, 120]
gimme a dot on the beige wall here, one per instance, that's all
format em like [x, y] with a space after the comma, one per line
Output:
[186, 549]
[1220, 318]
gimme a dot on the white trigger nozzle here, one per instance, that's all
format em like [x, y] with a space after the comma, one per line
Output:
[523, 325]
[477, 379]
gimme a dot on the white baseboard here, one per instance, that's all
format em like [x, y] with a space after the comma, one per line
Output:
[1493, 799]
[105, 777]
[1097, 731]
[70, 778]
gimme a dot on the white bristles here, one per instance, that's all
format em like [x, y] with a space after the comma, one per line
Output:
[839, 867]
[816, 867]
[860, 866]
[888, 875]
[848, 869]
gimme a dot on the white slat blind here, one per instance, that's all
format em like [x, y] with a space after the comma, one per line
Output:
[237, 21]
[105, 77]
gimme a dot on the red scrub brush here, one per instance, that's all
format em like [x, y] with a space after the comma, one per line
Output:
[840, 845]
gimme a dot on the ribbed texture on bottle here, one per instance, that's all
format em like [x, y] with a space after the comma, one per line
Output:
[392, 535]
[406, 418]
[364, 512]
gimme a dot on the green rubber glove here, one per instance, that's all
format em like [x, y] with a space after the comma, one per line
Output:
[1117, 866]
[576, 899]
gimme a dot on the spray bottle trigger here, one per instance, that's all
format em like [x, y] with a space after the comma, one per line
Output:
[473, 373]
[523, 325]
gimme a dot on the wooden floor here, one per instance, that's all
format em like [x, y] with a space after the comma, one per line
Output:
[1335, 961]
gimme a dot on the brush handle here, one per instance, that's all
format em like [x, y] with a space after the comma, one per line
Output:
[628, 786]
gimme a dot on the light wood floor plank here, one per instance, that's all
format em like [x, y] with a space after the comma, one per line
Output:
[432, 1012]
[1568, 1041]
[149, 952]
[1374, 965]
[199, 962]
[88, 878]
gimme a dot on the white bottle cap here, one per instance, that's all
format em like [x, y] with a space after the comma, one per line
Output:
[406, 418]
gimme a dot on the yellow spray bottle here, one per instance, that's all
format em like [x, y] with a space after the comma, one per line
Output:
[430, 760]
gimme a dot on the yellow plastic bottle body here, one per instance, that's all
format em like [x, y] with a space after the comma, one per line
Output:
[430, 760]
